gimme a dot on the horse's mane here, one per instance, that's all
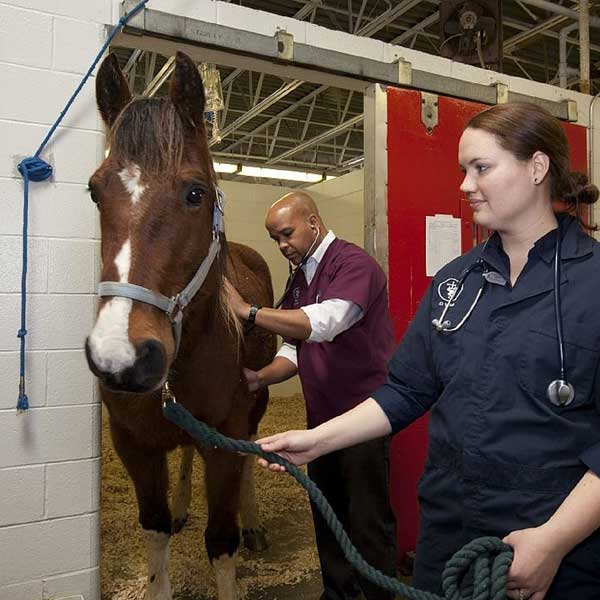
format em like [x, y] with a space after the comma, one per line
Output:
[149, 132]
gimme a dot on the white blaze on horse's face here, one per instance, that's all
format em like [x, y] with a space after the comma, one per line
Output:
[131, 177]
[109, 344]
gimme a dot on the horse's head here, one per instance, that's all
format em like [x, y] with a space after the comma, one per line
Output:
[156, 194]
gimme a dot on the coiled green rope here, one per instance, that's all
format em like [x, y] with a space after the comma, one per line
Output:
[479, 571]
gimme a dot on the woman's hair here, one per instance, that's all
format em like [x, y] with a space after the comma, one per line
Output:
[524, 129]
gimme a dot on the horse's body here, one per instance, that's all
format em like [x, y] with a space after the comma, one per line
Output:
[156, 193]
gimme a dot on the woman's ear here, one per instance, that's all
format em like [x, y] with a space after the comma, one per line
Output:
[540, 166]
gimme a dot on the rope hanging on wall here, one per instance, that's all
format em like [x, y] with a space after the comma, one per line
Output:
[34, 168]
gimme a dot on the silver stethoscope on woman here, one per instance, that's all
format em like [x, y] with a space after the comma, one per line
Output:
[560, 392]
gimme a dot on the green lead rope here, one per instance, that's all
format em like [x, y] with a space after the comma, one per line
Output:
[479, 571]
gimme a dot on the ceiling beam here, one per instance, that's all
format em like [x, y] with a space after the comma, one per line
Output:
[326, 135]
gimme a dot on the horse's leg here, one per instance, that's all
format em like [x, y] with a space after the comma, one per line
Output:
[222, 535]
[147, 468]
[253, 533]
[183, 491]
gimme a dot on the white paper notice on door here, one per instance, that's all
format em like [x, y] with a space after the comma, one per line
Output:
[442, 242]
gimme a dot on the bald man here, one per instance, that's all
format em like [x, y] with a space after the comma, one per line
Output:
[338, 337]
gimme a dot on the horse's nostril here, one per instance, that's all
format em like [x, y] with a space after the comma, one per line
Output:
[150, 363]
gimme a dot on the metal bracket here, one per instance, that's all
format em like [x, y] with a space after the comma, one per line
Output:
[572, 115]
[285, 45]
[139, 21]
[429, 110]
[501, 92]
[404, 72]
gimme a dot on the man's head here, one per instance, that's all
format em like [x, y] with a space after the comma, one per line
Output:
[295, 224]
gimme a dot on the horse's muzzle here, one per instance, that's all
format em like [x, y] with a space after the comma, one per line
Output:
[145, 375]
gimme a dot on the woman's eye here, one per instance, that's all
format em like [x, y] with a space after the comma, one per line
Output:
[195, 194]
[482, 168]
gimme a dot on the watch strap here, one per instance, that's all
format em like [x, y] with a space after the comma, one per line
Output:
[254, 308]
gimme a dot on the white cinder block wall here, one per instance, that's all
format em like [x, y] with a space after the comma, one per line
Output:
[49, 457]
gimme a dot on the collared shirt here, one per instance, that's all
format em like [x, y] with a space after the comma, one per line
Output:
[329, 318]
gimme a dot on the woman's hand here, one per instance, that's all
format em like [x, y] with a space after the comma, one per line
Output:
[536, 561]
[297, 447]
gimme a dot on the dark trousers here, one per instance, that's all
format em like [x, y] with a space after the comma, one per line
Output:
[356, 483]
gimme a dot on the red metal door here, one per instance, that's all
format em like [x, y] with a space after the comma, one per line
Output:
[424, 179]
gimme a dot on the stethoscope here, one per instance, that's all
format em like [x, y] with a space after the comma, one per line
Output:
[560, 392]
[293, 272]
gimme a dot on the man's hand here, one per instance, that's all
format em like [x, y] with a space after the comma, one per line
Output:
[253, 379]
[239, 306]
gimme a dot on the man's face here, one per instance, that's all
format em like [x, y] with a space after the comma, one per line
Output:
[293, 233]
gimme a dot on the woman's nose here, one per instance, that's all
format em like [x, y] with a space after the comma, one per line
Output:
[468, 185]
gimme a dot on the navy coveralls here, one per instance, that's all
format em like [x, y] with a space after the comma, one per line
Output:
[501, 456]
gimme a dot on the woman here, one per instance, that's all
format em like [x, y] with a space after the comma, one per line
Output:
[504, 459]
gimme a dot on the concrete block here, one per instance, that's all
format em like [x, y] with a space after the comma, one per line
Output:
[21, 87]
[203, 11]
[73, 154]
[353, 45]
[97, 265]
[55, 210]
[47, 435]
[76, 44]
[45, 549]
[72, 488]
[91, 10]
[35, 378]
[22, 498]
[82, 584]
[53, 322]
[69, 379]
[11, 251]
[30, 590]
[25, 37]
[264, 23]
[71, 266]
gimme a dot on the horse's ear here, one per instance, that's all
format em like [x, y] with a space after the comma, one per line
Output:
[112, 91]
[187, 91]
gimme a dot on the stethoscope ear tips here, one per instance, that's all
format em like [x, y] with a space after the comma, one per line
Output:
[560, 392]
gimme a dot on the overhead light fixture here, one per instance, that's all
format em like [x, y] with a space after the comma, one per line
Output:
[267, 173]
[226, 167]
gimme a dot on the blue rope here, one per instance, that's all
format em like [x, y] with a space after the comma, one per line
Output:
[35, 168]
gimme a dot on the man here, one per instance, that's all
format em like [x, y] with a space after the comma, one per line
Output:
[338, 336]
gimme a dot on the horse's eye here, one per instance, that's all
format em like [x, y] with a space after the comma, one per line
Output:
[195, 194]
[93, 196]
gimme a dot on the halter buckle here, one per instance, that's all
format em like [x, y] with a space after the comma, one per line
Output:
[176, 309]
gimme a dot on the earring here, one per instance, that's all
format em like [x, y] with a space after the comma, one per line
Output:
[535, 181]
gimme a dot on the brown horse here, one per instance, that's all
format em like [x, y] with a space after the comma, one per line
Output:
[160, 219]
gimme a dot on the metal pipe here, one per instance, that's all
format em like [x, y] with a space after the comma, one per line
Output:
[562, 51]
[584, 46]
[560, 10]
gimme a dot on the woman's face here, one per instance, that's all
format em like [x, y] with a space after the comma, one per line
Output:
[499, 187]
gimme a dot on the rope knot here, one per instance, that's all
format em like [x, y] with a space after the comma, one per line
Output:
[34, 168]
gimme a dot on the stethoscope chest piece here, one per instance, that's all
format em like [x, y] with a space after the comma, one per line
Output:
[560, 392]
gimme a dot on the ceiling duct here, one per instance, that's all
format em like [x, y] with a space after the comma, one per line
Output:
[471, 32]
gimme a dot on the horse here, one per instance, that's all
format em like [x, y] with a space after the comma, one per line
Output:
[163, 323]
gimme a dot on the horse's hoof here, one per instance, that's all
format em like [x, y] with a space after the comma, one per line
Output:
[255, 540]
[178, 524]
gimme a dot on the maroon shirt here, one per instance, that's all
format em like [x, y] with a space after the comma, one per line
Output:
[338, 375]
